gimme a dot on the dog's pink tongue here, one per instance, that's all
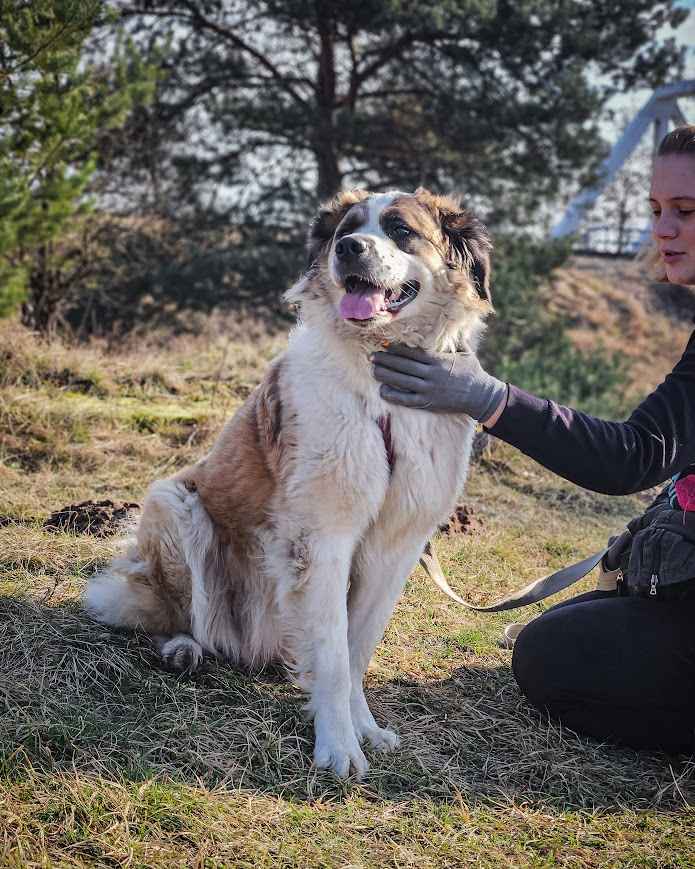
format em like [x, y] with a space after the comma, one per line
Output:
[361, 306]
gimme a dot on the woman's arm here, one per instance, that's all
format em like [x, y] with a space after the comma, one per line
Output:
[616, 458]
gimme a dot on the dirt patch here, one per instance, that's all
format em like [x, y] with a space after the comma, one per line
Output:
[98, 518]
[462, 521]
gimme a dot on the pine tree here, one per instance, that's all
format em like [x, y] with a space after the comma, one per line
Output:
[54, 109]
[279, 103]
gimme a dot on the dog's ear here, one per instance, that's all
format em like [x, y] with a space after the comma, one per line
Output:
[468, 244]
[326, 222]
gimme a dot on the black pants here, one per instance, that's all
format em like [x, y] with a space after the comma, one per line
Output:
[616, 668]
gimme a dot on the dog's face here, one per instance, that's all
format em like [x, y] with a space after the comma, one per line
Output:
[397, 265]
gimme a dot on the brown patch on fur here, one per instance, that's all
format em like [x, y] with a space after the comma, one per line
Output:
[164, 587]
[174, 597]
[270, 419]
[427, 241]
[417, 216]
[300, 556]
[326, 222]
[239, 476]
[467, 245]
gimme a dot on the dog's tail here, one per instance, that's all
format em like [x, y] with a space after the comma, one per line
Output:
[149, 587]
[123, 595]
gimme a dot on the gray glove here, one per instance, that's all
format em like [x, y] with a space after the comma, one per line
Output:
[438, 382]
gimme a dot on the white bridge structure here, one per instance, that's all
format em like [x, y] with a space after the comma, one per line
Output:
[660, 110]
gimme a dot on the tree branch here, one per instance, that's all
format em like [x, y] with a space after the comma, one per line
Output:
[388, 54]
[225, 33]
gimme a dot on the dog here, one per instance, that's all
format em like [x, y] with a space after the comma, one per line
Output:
[292, 539]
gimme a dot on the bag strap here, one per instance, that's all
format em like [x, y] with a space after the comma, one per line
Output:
[531, 593]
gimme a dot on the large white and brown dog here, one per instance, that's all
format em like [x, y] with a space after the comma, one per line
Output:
[293, 538]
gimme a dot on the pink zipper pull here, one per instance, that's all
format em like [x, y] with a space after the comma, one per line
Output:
[685, 492]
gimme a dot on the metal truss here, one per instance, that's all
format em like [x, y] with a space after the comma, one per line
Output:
[660, 110]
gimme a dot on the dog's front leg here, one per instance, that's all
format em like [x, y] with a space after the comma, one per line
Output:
[381, 572]
[324, 654]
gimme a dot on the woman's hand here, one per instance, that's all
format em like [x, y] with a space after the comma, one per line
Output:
[439, 382]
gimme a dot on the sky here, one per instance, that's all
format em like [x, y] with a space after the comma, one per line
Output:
[686, 35]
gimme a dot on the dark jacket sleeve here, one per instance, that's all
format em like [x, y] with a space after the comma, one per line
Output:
[617, 458]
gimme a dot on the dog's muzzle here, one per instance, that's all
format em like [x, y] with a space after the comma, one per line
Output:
[365, 296]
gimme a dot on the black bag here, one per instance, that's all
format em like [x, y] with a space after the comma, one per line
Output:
[656, 555]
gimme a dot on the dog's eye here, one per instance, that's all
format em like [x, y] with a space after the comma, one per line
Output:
[401, 230]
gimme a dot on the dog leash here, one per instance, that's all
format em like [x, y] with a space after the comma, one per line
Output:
[535, 591]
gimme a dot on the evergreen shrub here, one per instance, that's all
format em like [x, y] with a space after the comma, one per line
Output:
[527, 344]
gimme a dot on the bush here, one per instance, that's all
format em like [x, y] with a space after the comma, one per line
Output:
[528, 345]
[151, 272]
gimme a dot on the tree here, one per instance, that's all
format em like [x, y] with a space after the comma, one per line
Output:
[616, 222]
[54, 111]
[528, 343]
[269, 105]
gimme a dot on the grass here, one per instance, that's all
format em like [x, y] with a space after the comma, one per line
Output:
[106, 759]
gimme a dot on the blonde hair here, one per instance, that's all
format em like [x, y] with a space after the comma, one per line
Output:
[678, 141]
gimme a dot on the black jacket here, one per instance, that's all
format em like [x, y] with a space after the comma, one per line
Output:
[617, 458]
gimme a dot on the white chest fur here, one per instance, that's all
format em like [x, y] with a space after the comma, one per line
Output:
[360, 455]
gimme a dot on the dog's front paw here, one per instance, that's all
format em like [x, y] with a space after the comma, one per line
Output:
[339, 757]
[337, 749]
[367, 730]
[380, 738]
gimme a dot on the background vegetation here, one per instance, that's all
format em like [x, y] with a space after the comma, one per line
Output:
[161, 158]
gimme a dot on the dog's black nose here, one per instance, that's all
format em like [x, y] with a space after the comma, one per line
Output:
[350, 246]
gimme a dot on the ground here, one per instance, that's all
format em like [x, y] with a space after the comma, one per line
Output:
[107, 759]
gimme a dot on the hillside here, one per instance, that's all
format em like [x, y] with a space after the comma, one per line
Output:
[609, 301]
[107, 759]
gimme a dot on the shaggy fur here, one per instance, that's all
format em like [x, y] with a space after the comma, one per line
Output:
[292, 539]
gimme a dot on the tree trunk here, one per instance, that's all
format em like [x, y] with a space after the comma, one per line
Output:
[325, 148]
[623, 216]
[41, 310]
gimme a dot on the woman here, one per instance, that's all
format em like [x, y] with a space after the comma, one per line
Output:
[612, 667]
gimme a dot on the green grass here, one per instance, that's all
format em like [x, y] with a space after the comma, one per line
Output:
[106, 759]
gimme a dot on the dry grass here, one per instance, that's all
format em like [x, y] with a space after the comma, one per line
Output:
[611, 302]
[106, 759]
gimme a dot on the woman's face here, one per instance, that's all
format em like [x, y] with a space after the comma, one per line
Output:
[672, 200]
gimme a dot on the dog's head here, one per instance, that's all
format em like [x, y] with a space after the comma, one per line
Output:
[396, 266]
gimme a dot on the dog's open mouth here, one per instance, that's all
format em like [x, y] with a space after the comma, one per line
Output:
[364, 300]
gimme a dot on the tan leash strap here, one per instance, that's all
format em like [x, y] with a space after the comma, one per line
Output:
[531, 593]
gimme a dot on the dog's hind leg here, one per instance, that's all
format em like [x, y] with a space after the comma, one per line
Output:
[158, 586]
[124, 595]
